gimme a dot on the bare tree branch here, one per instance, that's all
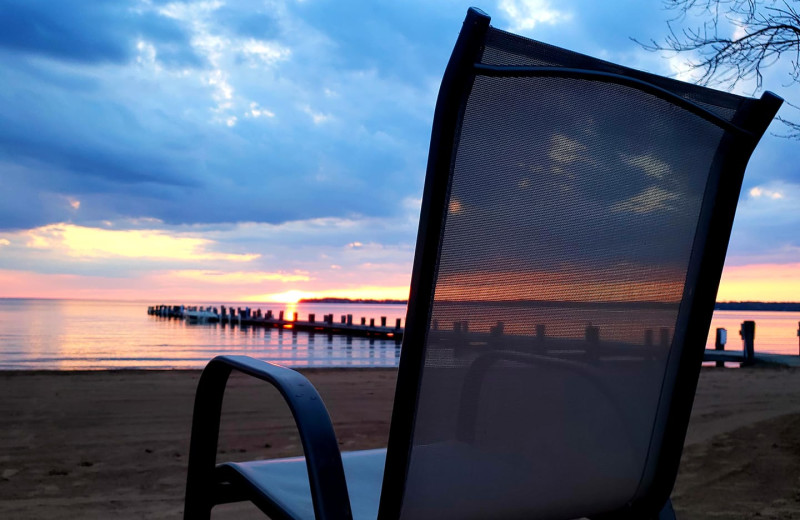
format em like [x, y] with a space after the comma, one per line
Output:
[735, 41]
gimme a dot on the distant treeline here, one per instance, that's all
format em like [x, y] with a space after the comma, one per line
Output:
[348, 300]
[720, 306]
[758, 306]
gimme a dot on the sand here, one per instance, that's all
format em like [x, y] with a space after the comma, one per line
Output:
[115, 444]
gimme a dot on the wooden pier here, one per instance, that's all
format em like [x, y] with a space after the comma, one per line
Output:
[369, 327]
[748, 355]
[247, 317]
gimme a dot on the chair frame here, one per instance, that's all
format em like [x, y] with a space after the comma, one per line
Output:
[708, 256]
[324, 463]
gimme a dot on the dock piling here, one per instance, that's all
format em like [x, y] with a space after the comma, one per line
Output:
[748, 334]
[540, 332]
[592, 334]
[247, 317]
[719, 344]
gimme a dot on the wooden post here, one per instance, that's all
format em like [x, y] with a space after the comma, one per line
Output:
[592, 334]
[465, 326]
[719, 344]
[383, 321]
[280, 315]
[344, 318]
[398, 322]
[372, 322]
[349, 319]
[312, 318]
[363, 321]
[748, 334]
[456, 326]
[269, 314]
[497, 330]
[295, 317]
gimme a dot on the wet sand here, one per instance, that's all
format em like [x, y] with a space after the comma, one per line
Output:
[114, 444]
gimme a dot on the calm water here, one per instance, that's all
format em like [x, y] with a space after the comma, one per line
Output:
[71, 335]
[776, 332]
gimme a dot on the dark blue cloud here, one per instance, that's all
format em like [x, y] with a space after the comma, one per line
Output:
[89, 32]
[167, 131]
[397, 39]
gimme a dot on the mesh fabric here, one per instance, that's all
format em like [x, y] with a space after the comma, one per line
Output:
[572, 212]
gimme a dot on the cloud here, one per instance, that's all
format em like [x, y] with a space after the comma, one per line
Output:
[758, 192]
[651, 199]
[279, 134]
[240, 277]
[525, 15]
[649, 164]
[96, 32]
[83, 242]
[257, 111]
[317, 117]
[143, 139]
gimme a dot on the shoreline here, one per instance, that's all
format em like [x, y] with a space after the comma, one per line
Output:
[102, 443]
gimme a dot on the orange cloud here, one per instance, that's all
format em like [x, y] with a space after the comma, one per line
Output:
[371, 292]
[239, 277]
[760, 282]
[85, 242]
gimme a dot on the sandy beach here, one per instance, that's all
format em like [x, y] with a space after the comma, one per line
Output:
[115, 444]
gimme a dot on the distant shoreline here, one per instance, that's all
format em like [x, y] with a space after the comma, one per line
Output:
[757, 306]
[719, 306]
[348, 300]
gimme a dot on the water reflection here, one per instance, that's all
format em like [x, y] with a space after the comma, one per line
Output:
[69, 335]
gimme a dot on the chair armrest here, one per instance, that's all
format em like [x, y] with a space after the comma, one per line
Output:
[480, 366]
[323, 460]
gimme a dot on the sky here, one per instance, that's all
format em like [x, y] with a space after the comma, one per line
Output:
[266, 151]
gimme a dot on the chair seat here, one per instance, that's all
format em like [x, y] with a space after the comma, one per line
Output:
[284, 482]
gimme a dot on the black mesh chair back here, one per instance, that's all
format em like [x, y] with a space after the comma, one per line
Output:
[575, 221]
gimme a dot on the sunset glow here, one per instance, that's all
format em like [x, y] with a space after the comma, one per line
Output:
[760, 282]
[87, 243]
[219, 152]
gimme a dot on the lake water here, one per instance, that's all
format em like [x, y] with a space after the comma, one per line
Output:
[88, 335]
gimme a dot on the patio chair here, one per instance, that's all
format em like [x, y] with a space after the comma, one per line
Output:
[574, 224]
